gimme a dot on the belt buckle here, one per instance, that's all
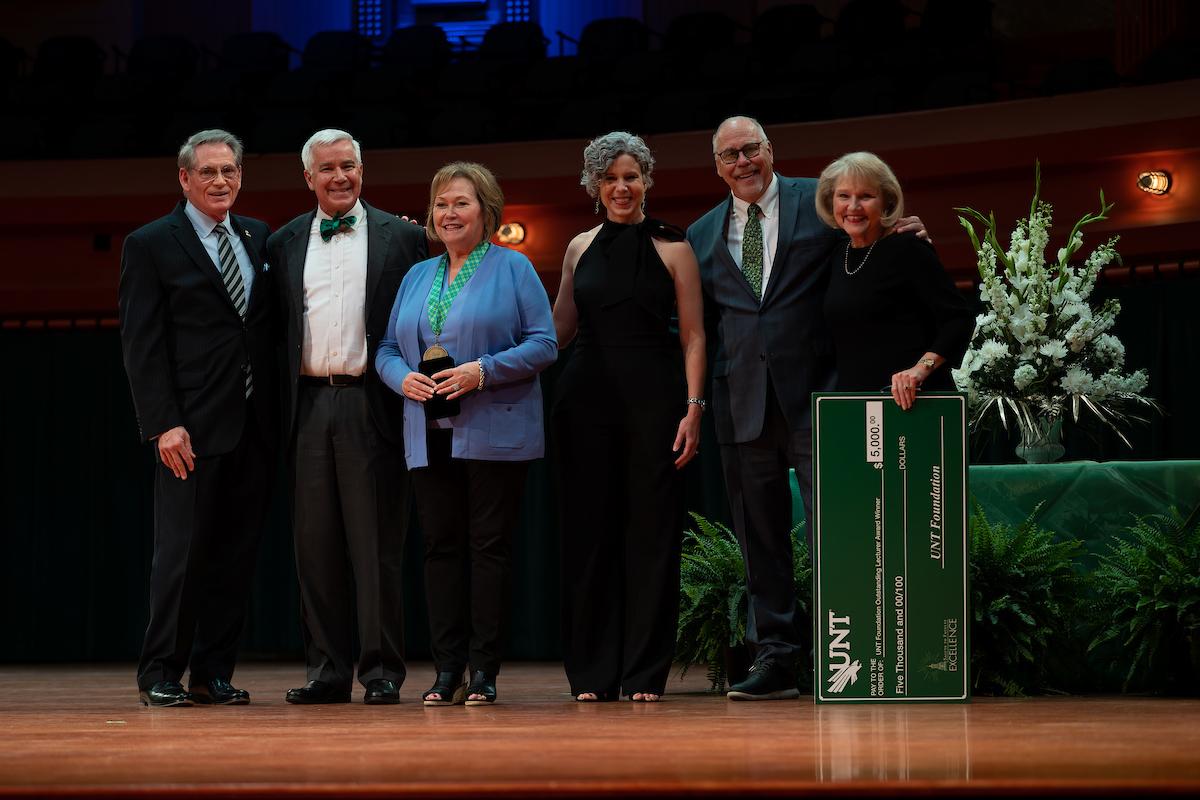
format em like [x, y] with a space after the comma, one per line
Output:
[334, 380]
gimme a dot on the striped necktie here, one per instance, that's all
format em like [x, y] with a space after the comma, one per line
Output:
[231, 275]
[752, 251]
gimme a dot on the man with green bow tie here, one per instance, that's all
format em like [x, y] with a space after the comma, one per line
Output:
[339, 268]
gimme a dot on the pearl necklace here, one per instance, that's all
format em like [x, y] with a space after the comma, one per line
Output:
[846, 259]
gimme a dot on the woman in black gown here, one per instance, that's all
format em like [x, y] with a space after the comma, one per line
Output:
[897, 321]
[627, 419]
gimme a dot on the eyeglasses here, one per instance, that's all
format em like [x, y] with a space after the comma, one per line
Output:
[730, 155]
[209, 174]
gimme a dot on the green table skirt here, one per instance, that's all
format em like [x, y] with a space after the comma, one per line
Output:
[1086, 500]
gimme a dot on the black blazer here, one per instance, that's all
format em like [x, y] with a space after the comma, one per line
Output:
[784, 337]
[185, 346]
[392, 247]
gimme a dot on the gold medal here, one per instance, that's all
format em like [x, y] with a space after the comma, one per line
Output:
[435, 351]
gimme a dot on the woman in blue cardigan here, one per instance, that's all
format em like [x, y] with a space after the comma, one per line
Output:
[468, 335]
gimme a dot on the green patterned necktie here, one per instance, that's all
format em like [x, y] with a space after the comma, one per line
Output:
[752, 250]
[439, 301]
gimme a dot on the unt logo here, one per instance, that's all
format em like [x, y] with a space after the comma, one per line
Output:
[843, 671]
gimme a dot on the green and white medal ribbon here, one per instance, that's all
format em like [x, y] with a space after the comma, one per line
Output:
[440, 301]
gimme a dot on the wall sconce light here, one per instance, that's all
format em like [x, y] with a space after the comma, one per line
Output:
[1155, 182]
[511, 233]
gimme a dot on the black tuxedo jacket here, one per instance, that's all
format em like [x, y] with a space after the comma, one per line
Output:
[186, 348]
[784, 336]
[392, 247]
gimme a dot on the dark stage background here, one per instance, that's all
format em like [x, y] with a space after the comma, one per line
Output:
[960, 97]
[76, 488]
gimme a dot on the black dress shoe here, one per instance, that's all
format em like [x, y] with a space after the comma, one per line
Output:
[318, 692]
[381, 692]
[767, 680]
[219, 692]
[164, 694]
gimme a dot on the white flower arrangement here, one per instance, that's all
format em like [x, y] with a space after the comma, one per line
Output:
[1040, 345]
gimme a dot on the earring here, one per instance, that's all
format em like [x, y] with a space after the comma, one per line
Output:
[597, 211]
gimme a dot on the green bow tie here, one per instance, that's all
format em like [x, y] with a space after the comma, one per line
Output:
[336, 225]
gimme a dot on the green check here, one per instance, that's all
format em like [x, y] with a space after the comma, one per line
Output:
[890, 549]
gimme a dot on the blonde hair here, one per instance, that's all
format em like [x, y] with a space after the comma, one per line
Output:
[487, 189]
[870, 169]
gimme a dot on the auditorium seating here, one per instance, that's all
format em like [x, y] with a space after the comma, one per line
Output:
[790, 63]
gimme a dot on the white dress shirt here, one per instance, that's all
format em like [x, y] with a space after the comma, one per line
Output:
[335, 292]
[738, 216]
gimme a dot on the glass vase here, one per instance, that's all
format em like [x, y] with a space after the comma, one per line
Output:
[1042, 444]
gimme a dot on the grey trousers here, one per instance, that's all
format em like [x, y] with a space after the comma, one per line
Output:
[350, 510]
[760, 500]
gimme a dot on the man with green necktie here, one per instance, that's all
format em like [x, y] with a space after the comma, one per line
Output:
[763, 255]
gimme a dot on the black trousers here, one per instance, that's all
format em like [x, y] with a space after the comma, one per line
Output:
[760, 500]
[350, 511]
[621, 528]
[206, 534]
[468, 511]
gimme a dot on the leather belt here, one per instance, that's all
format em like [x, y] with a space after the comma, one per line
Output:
[331, 380]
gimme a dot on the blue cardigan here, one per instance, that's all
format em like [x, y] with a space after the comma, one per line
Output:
[504, 315]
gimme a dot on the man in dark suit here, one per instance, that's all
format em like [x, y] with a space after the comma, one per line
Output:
[198, 323]
[339, 268]
[763, 255]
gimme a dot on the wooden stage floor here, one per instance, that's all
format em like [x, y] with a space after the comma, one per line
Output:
[79, 731]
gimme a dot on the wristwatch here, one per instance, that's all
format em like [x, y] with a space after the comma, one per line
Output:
[698, 401]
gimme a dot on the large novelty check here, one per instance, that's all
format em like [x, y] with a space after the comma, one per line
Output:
[890, 549]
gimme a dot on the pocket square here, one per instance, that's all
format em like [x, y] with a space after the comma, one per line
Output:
[266, 268]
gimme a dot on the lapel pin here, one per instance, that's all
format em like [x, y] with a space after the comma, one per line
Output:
[266, 267]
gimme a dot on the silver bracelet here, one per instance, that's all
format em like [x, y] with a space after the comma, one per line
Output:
[482, 375]
[698, 401]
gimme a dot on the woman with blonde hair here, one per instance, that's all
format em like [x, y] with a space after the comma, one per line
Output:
[897, 321]
[469, 333]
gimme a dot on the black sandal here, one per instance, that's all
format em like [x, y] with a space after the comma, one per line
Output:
[484, 685]
[600, 697]
[449, 687]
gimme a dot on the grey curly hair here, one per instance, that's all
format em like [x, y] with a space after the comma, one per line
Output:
[602, 151]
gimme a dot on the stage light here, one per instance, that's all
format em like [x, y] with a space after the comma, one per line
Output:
[511, 233]
[1155, 182]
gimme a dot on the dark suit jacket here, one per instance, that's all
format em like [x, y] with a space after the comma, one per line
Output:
[186, 348]
[784, 337]
[392, 247]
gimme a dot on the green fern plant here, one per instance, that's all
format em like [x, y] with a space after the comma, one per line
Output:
[712, 595]
[802, 574]
[1148, 601]
[1024, 590]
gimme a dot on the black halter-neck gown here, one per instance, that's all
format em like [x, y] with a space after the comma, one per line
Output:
[617, 410]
